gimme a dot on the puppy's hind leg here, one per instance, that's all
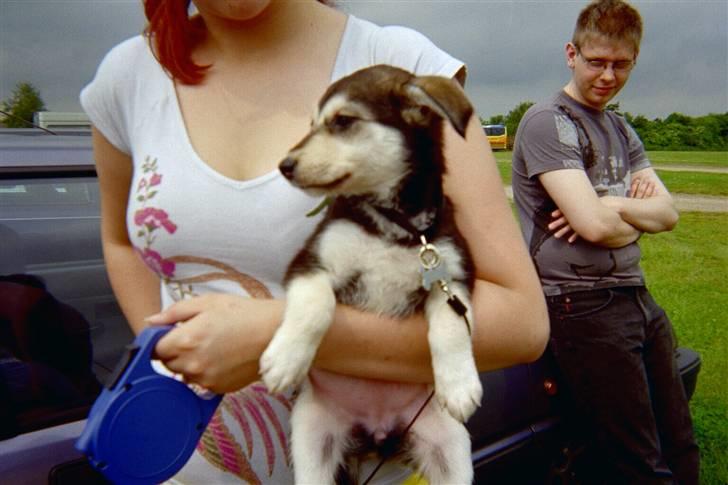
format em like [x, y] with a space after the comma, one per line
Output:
[440, 448]
[318, 440]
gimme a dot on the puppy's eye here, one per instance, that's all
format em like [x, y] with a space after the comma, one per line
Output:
[341, 122]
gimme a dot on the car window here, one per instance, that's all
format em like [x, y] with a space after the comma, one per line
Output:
[61, 330]
[494, 130]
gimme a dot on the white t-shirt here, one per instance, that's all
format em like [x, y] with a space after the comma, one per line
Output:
[204, 232]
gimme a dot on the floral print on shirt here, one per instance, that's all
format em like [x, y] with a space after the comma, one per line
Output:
[150, 219]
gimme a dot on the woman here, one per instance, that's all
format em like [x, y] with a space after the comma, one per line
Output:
[189, 129]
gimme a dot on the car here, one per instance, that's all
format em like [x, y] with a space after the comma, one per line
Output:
[497, 136]
[63, 332]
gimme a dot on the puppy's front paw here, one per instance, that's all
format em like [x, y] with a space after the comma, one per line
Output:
[285, 362]
[459, 392]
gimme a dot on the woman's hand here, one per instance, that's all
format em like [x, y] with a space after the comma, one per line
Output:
[218, 340]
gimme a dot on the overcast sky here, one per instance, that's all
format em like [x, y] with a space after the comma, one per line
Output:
[513, 48]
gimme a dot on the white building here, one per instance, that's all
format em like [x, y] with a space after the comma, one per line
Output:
[58, 119]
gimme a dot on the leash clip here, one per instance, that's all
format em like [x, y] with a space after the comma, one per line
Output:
[433, 267]
[434, 270]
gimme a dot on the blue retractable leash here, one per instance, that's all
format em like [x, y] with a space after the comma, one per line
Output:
[144, 426]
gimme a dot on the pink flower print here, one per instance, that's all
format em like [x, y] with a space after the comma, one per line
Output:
[156, 179]
[156, 262]
[142, 184]
[154, 218]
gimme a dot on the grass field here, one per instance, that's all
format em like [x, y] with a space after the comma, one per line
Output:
[503, 156]
[503, 160]
[701, 183]
[707, 159]
[686, 271]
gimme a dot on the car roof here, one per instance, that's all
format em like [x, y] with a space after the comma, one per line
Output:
[31, 150]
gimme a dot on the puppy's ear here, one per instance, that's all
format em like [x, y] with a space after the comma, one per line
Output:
[440, 94]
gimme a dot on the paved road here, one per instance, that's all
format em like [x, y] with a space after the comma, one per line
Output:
[688, 168]
[700, 203]
[685, 168]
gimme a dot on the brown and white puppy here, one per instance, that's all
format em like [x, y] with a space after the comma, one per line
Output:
[375, 145]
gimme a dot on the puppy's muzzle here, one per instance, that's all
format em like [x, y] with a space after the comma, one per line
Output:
[288, 167]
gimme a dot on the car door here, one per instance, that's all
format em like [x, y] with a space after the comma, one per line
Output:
[61, 330]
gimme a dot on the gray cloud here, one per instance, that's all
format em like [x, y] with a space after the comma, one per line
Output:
[514, 49]
[57, 45]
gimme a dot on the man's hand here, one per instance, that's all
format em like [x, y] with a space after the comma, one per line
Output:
[639, 189]
[561, 227]
[581, 212]
[642, 188]
[648, 206]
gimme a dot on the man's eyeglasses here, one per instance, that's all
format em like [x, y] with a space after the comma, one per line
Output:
[600, 65]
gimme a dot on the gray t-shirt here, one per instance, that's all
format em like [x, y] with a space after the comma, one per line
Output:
[560, 133]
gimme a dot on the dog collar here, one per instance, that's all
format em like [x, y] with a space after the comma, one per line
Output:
[417, 225]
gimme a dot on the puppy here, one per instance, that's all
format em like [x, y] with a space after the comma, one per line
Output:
[375, 147]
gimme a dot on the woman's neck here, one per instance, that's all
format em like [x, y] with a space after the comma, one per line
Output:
[283, 27]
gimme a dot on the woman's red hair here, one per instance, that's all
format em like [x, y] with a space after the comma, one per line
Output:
[172, 35]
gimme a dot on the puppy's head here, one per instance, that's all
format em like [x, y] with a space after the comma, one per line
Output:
[372, 128]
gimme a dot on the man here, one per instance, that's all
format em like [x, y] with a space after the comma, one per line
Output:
[585, 193]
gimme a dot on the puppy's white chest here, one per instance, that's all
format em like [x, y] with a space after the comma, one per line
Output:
[369, 272]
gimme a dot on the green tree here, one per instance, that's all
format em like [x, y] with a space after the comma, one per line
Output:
[613, 107]
[513, 118]
[676, 132]
[496, 120]
[679, 119]
[682, 132]
[639, 122]
[18, 109]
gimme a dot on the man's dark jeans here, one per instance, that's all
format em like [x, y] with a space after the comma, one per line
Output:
[615, 349]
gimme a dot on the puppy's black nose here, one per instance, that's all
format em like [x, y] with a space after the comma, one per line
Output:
[287, 167]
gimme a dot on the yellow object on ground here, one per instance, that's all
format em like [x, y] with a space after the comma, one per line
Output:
[415, 479]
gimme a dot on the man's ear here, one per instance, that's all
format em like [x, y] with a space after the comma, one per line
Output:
[570, 52]
[440, 95]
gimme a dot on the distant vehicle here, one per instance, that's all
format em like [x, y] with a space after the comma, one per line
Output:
[59, 119]
[62, 332]
[497, 136]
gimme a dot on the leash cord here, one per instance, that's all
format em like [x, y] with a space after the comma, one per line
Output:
[411, 423]
[406, 430]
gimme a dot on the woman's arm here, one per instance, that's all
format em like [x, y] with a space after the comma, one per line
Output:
[223, 336]
[135, 286]
[510, 312]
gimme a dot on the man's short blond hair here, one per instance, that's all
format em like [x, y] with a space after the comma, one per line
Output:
[613, 19]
